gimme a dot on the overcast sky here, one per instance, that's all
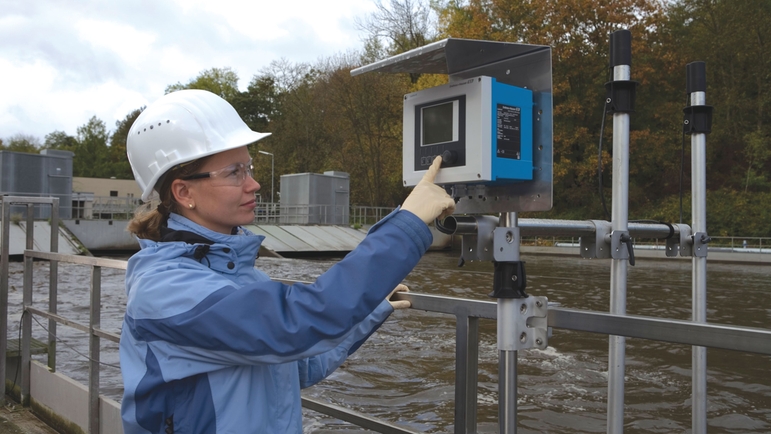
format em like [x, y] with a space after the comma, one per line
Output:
[64, 61]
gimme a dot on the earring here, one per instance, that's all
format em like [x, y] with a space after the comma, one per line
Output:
[190, 205]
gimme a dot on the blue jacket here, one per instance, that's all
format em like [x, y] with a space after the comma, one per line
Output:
[211, 345]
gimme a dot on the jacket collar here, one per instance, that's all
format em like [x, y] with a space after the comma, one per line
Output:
[182, 229]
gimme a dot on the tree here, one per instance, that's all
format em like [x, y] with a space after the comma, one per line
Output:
[61, 141]
[364, 125]
[91, 151]
[221, 81]
[259, 104]
[23, 143]
[734, 39]
[117, 157]
[404, 24]
[578, 32]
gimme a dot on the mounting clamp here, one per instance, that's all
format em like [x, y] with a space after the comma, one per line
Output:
[597, 246]
[700, 240]
[530, 324]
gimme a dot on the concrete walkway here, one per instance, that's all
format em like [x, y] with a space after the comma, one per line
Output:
[14, 419]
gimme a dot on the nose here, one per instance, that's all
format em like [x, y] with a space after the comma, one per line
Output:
[251, 185]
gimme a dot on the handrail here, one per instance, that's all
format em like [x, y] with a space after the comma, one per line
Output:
[467, 312]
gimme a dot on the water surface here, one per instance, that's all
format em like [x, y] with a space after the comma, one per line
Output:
[405, 372]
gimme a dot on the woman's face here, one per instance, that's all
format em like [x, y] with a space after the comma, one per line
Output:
[225, 197]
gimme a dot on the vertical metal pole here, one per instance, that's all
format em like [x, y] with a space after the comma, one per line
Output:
[507, 356]
[4, 291]
[94, 350]
[621, 60]
[466, 363]
[26, 323]
[696, 87]
[53, 284]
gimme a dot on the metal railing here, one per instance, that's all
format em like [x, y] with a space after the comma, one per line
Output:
[103, 207]
[122, 208]
[761, 246]
[467, 313]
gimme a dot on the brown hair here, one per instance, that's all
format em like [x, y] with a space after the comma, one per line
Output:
[148, 221]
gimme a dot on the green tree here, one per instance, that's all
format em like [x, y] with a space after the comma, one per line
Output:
[117, 157]
[259, 104]
[60, 140]
[299, 142]
[221, 81]
[734, 39]
[757, 151]
[23, 143]
[91, 151]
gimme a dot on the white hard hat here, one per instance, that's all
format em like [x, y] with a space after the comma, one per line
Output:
[179, 127]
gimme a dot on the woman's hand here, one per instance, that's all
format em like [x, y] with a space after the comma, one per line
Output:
[399, 304]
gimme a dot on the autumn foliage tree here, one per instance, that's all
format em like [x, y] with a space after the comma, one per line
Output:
[323, 119]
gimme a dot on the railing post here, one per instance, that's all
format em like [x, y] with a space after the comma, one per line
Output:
[507, 337]
[466, 371]
[4, 291]
[94, 350]
[53, 284]
[26, 322]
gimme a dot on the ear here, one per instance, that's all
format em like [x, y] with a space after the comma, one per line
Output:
[181, 191]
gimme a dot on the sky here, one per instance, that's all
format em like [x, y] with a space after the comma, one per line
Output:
[64, 61]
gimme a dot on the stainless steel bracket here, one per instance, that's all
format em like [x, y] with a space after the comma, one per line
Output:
[506, 244]
[700, 240]
[479, 247]
[617, 248]
[686, 241]
[532, 328]
[597, 246]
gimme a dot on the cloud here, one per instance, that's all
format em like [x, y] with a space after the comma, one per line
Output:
[63, 62]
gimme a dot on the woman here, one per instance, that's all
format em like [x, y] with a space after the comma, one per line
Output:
[209, 343]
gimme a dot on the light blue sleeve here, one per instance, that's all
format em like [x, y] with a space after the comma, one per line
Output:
[314, 369]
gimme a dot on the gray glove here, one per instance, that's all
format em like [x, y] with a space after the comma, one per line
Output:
[428, 201]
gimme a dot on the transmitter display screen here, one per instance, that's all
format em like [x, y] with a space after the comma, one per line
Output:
[438, 124]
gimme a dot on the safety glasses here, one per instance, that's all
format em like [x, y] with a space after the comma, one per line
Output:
[233, 175]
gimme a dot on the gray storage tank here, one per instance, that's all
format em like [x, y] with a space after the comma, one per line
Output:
[315, 198]
[48, 174]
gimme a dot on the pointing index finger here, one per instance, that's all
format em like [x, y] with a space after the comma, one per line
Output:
[433, 170]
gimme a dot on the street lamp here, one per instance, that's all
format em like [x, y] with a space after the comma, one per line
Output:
[271, 173]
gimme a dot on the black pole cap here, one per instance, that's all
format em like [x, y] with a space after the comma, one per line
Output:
[696, 77]
[620, 48]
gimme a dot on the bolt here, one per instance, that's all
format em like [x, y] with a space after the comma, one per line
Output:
[523, 308]
[523, 337]
[539, 303]
[539, 342]
[514, 278]
[509, 237]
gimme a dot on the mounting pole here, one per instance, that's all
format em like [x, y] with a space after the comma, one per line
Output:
[698, 123]
[621, 91]
[507, 338]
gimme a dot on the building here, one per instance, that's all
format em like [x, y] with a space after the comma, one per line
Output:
[104, 198]
[48, 174]
[315, 198]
